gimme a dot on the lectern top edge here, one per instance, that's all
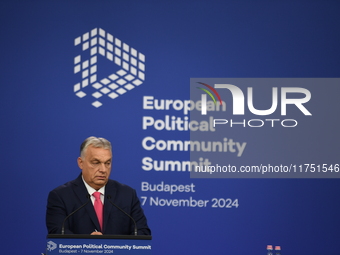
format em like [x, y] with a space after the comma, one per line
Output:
[79, 236]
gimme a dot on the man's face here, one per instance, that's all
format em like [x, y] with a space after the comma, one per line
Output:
[96, 166]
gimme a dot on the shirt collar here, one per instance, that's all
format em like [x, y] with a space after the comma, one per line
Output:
[91, 190]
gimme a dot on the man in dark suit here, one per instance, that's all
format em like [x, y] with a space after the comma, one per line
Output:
[95, 163]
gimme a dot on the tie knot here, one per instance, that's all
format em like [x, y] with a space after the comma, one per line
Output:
[96, 195]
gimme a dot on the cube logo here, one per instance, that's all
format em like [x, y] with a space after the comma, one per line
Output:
[51, 245]
[95, 44]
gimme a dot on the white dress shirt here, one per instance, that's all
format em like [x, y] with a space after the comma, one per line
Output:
[91, 190]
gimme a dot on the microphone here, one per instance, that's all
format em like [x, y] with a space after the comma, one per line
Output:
[134, 222]
[68, 216]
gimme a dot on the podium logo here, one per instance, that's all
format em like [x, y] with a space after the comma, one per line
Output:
[97, 43]
[51, 245]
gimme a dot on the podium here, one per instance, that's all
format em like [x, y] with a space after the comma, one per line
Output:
[98, 244]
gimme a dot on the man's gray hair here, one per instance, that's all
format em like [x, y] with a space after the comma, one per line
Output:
[97, 142]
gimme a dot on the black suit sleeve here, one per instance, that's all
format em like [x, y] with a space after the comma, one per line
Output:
[137, 214]
[55, 214]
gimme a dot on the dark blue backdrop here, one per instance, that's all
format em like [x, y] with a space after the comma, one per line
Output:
[43, 122]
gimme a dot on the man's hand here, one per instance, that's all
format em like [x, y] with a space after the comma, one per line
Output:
[97, 233]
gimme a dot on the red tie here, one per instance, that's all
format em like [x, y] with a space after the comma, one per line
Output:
[98, 207]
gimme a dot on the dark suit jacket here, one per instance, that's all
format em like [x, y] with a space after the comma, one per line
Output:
[68, 197]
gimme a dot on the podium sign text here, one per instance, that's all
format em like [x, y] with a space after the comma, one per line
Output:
[99, 245]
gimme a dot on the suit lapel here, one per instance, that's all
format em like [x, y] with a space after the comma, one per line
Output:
[82, 194]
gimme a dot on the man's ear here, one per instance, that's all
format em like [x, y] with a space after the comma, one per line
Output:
[80, 162]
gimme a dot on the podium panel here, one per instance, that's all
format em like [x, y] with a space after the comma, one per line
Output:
[91, 244]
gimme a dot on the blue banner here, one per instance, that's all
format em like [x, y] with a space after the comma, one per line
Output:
[125, 70]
